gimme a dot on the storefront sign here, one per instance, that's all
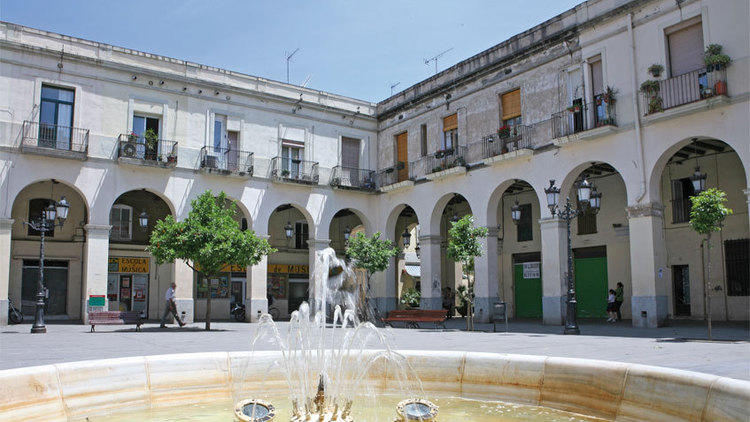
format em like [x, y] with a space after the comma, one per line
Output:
[531, 270]
[288, 269]
[128, 265]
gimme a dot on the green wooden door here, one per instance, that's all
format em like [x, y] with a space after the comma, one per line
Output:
[591, 287]
[528, 294]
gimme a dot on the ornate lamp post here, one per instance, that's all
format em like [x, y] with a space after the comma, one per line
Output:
[54, 215]
[568, 213]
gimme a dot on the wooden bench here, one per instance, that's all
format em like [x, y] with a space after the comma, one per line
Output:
[412, 317]
[115, 318]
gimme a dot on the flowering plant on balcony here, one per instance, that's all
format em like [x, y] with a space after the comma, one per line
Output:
[609, 95]
[715, 59]
[504, 132]
[574, 108]
[132, 137]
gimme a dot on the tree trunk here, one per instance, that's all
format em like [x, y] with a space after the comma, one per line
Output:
[708, 283]
[208, 303]
[470, 303]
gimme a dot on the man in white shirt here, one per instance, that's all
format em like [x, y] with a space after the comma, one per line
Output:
[171, 307]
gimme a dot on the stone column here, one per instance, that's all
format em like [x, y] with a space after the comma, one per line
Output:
[648, 265]
[554, 269]
[315, 246]
[184, 296]
[6, 226]
[486, 279]
[747, 195]
[256, 290]
[429, 246]
[95, 265]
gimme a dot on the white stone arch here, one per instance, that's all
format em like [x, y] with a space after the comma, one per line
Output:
[570, 177]
[330, 213]
[439, 208]
[392, 220]
[265, 218]
[493, 202]
[20, 188]
[161, 196]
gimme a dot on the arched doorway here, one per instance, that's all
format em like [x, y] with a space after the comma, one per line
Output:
[134, 280]
[404, 273]
[64, 251]
[453, 277]
[288, 277]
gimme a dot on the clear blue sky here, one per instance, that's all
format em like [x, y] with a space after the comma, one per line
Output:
[354, 48]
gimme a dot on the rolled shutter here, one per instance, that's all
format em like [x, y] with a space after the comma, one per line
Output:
[597, 79]
[686, 49]
[450, 122]
[511, 104]
[350, 152]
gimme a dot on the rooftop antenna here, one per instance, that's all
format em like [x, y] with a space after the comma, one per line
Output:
[307, 80]
[435, 59]
[393, 86]
[288, 58]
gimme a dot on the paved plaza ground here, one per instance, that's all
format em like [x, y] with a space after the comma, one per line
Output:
[680, 345]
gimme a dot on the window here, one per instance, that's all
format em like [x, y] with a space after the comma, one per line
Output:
[737, 258]
[301, 233]
[423, 140]
[525, 227]
[121, 220]
[682, 190]
[291, 158]
[510, 103]
[685, 49]
[140, 125]
[450, 132]
[56, 117]
[36, 206]
[350, 153]
[597, 89]
[586, 219]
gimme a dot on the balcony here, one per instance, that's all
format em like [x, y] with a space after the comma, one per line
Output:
[133, 149]
[227, 161]
[353, 178]
[292, 170]
[597, 118]
[501, 145]
[689, 88]
[54, 140]
[439, 164]
[393, 178]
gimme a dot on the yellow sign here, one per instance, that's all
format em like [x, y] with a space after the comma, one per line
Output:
[128, 265]
[288, 269]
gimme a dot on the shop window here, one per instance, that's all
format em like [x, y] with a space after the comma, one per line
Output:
[586, 219]
[301, 233]
[737, 258]
[682, 190]
[525, 225]
[219, 287]
[121, 220]
[36, 206]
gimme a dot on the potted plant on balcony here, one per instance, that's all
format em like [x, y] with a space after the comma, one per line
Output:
[655, 70]
[655, 104]
[715, 59]
[503, 132]
[285, 173]
[132, 137]
[152, 144]
[575, 108]
[609, 95]
[650, 87]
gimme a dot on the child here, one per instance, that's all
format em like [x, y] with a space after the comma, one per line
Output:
[611, 306]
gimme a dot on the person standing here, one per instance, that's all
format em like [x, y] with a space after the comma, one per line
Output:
[618, 300]
[171, 307]
[611, 309]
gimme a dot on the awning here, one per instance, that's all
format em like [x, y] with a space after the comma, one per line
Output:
[413, 270]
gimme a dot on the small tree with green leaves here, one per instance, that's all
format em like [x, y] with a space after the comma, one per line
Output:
[463, 246]
[207, 240]
[372, 254]
[706, 216]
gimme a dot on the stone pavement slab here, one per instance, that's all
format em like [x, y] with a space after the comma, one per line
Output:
[678, 346]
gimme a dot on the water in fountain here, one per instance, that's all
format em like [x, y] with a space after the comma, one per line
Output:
[322, 350]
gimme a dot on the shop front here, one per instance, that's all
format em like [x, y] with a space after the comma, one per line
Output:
[127, 284]
[288, 286]
[226, 289]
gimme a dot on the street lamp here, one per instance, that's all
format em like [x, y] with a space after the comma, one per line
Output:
[347, 233]
[143, 220]
[699, 180]
[289, 230]
[53, 215]
[515, 213]
[406, 238]
[595, 202]
[568, 213]
[417, 251]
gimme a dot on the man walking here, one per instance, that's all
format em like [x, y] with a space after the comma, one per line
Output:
[171, 307]
[618, 300]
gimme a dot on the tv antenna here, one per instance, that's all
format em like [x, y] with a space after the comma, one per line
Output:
[288, 58]
[307, 80]
[435, 59]
[393, 86]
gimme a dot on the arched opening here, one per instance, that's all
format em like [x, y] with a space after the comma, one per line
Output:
[599, 238]
[687, 284]
[453, 277]
[134, 280]
[63, 253]
[288, 276]
[407, 269]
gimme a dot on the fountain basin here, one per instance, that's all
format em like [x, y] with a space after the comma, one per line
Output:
[608, 390]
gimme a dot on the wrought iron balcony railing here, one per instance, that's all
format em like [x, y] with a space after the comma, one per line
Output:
[43, 136]
[156, 151]
[438, 161]
[294, 170]
[390, 175]
[354, 178]
[582, 117]
[227, 160]
[683, 89]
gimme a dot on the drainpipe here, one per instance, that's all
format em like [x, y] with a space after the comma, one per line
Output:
[636, 112]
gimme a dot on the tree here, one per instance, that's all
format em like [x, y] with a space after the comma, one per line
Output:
[706, 216]
[207, 240]
[372, 254]
[463, 247]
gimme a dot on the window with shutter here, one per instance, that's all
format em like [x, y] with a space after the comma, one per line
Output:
[511, 104]
[597, 77]
[450, 132]
[350, 153]
[423, 139]
[686, 49]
